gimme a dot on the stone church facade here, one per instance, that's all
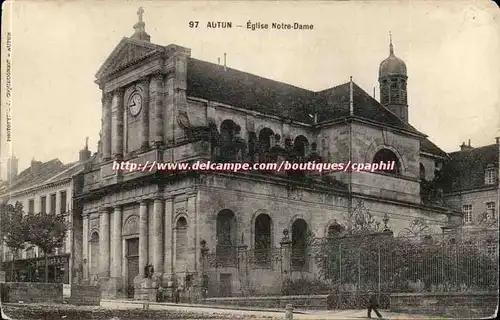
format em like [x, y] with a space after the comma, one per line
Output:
[160, 104]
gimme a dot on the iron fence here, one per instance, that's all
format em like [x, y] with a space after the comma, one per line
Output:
[378, 262]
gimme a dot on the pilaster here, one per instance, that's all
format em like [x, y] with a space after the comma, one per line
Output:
[116, 270]
[167, 258]
[158, 250]
[104, 245]
[86, 265]
[107, 100]
[143, 237]
[159, 130]
[118, 145]
[145, 114]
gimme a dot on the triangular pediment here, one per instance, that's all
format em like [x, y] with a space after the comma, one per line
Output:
[126, 52]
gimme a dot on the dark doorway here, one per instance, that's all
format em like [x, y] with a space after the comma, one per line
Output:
[225, 284]
[132, 264]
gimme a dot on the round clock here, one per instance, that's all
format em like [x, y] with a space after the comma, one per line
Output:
[135, 103]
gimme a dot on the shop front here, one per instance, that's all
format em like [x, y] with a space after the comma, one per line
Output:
[33, 269]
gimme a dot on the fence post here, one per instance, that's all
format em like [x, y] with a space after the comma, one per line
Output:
[359, 269]
[379, 272]
[289, 312]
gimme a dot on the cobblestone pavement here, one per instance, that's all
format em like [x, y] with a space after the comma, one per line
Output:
[134, 310]
[257, 314]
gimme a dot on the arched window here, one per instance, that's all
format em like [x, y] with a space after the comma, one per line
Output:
[300, 145]
[388, 161]
[404, 97]
[262, 240]
[265, 143]
[94, 256]
[394, 91]
[226, 235]
[299, 244]
[181, 244]
[422, 172]
[228, 130]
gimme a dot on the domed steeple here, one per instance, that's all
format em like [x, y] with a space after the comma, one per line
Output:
[392, 65]
[392, 79]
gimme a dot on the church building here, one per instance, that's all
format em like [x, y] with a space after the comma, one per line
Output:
[159, 103]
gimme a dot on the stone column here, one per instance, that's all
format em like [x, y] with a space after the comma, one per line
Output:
[145, 114]
[118, 124]
[116, 285]
[107, 99]
[158, 249]
[104, 243]
[86, 264]
[191, 241]
[116, 270]
[143, 237]
[159, 132]
[167, 232]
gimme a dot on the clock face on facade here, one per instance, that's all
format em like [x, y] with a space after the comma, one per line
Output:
[135, 103]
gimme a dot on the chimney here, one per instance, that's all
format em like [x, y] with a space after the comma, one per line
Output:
[218, 61]
[225, 61]
[85, 153]
[35, 166]
[497, 139]
[12, 168]
[465, 147]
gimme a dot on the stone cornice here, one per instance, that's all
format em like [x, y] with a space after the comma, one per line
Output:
[38, 188]
[473, 190]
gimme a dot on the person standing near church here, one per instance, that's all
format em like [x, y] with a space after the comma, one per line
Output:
[373, 304]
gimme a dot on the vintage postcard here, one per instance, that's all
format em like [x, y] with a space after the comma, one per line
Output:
[249, 159]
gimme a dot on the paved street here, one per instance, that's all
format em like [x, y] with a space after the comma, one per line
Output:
[261, 313]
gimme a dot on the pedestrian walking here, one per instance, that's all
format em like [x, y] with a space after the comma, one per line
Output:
[177, 295]
[373, 304]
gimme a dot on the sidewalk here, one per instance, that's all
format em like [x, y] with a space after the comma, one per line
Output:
[255, 312]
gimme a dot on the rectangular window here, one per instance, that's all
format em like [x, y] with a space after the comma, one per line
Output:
[53, 203]
[31, 206]
[490, 177]
[43, 204]
[467, 210]
[63, 201]
[490, 209]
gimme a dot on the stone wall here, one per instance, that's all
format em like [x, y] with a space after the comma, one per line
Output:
[31, 292]
[314, 302]
[87, 295]
[446, 304]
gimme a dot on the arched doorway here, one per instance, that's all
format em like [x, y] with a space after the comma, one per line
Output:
[226, 236]
[262, 240]
[390, 159]
[299, 244]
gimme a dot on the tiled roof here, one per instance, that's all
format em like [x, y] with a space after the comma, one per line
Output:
[427, 146]
[244, 90]
[247, 91]
[50, 171]
[467, 168]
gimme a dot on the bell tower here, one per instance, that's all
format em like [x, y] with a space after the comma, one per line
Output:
[393, 80]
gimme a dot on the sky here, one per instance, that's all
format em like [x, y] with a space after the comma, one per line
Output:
[451, 50]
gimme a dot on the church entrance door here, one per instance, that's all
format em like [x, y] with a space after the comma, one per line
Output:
[225, 284]
[132, 264]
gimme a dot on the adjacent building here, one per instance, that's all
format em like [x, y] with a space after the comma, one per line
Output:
[161, 104]
[472, 186]
[44, 187]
